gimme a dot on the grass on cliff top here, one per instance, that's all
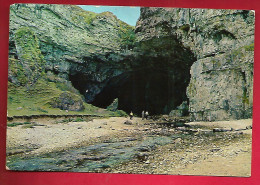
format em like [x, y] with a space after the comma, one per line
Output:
[35, 101]
[88, 16]
[125, 31]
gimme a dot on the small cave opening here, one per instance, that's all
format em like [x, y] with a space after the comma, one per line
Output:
[149, 89]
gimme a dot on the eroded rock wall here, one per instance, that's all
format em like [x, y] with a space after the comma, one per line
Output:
[221, 87]
[221, 84]
[201, 56]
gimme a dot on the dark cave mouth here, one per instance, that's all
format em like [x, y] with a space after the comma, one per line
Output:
[156, 81]
[147, 89]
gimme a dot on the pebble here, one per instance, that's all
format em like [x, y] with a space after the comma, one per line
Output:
[178, 140]
[215, 149]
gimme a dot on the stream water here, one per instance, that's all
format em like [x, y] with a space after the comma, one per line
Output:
[94, 157]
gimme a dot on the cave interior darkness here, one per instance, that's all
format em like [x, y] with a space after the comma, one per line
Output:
[146, 89]
[155, 89]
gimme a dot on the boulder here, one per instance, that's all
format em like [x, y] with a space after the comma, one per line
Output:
[142, 156]
[68, 101]
[128, 122]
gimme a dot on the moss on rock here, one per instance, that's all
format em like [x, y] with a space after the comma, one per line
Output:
[29, 66]
[68, 101]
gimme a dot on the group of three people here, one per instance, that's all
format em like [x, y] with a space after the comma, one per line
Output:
[145, 115]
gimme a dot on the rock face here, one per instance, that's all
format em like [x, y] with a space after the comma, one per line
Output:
[221, 87]
[221, 80]
[206, 32]
[204, 57]
[75, 43]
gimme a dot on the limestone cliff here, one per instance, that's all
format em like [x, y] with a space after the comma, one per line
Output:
[221, 83]
[204, 57]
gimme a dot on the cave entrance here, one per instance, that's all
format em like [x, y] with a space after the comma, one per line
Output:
[154, 78]
[144, 89]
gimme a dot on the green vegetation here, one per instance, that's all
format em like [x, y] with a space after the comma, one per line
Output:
[24, 124]
[61, 83]
[29, 68]
[245, 100]
[118, 113]
[113, 106]
[17, 72]
[67, 101]
[250, 47]
[27, 40]
[75, 120]
[87, 16]
[78, 120]
[17, 123]
[127, 35]
[38, 100]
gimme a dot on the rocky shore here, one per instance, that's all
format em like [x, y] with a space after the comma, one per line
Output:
[140, 146]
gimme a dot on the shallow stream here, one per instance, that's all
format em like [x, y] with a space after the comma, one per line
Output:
[93, 158]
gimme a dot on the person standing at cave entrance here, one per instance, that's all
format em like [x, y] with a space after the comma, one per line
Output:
[143, 115]
[131, 115]
[146, 115]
